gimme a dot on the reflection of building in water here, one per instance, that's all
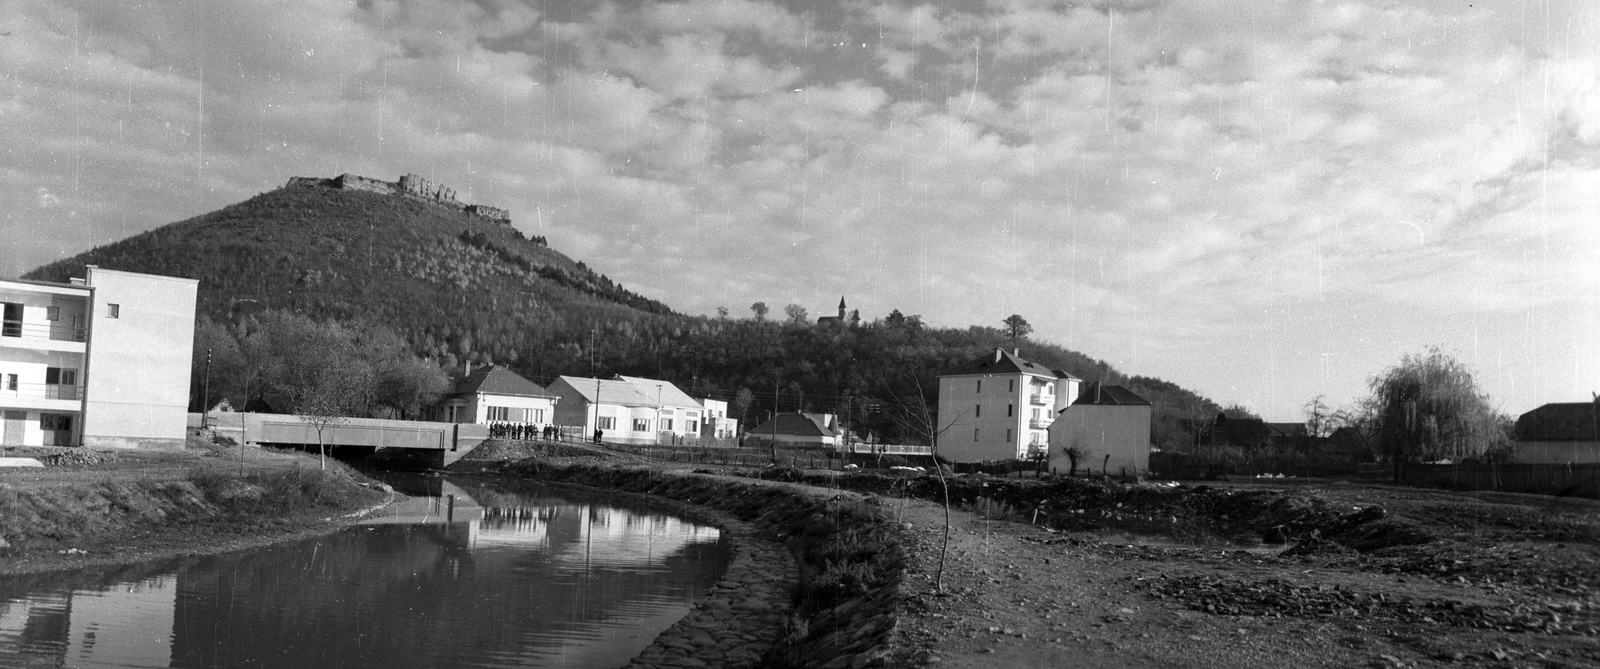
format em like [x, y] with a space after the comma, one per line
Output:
[125, 625]
[531, 581]
[592, 533]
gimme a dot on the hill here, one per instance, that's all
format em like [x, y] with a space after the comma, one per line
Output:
[459, 284]
[455, 284]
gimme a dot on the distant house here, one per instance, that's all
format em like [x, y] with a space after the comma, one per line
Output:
[999, 407]
[1559, 433]
[628, 409]
[495, 394]
[800, 428]
[1110, 425]
[1243, 432]
[717, 424]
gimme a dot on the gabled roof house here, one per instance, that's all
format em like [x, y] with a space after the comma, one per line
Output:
[803, 428]
[1559, 433]
[495, 394]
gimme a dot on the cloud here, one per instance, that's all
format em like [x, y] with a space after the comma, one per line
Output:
[1138, 178]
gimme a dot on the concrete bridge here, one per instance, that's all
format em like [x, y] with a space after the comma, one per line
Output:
[423, 444]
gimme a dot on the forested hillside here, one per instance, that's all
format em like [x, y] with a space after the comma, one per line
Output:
[457, 286]
[461, 288]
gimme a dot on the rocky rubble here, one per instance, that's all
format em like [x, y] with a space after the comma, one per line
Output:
[1274, 597]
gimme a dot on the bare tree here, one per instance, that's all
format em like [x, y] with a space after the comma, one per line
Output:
[760, 309]
[796, 313]
[1319, 417]
[325, 402]
[1075, 452]
[915, 416]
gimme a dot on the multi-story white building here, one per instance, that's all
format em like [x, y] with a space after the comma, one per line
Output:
[627, 409]
[716, 423]
[1000, 407]
[102, 361]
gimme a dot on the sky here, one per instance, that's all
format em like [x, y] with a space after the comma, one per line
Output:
[1263, 201]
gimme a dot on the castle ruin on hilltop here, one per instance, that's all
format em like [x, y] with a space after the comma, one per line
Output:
[409, 185]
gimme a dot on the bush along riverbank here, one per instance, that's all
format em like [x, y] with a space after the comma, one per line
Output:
[836, 610]
[95, 518]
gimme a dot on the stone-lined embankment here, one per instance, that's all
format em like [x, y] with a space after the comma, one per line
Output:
[814, 581]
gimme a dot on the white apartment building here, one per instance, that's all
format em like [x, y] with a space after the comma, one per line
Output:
[102, 361]
[1000, 407]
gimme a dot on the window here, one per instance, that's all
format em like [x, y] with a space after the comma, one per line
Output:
[974, 434]
[13, 320]
[536, 415]
[691, 426]
[55, 421]
[607, 423]
[1008, 435]
[1010, 408]
[980, 385]
[666, 425]
[52, 313]
[977, 411]
[499, 413]
[11, 382]
[113, 310]
[1011, 385]
[641, 425]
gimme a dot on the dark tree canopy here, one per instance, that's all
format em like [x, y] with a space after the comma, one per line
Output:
[1017, 327]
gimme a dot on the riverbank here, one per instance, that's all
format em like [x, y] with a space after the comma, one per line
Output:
[822, 565]
[101, 508]
[1099, 573]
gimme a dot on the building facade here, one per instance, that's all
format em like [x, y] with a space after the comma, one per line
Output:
[717, 424]
[800, 428]
[627, 409]
[495, 394]
[1559, 433]
[102, 361]
[1110, 427]
[1000, 407]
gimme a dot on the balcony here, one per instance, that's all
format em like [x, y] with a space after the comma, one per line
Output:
[47, 336]
[1041, 399]
[1039, 423]
[45, 396]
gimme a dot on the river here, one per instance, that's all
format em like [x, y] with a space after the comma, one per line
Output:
[463, 573]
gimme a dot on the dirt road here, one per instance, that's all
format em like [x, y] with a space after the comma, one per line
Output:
[1016, 595]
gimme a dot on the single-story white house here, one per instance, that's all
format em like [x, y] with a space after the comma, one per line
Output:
[495, 394]
[1111, 428]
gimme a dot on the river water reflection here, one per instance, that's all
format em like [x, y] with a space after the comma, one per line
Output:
[470, 574]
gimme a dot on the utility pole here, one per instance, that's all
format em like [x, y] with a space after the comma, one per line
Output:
[205, 399]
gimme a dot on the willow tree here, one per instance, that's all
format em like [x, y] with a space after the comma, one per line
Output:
[1429, 408]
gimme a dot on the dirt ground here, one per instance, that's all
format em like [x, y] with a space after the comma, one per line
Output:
[1507, 582]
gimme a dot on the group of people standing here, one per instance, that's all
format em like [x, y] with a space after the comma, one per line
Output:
[523, 431]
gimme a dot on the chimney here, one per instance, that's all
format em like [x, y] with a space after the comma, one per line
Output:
[998, 354]
[1096, 393]
[1016, 353]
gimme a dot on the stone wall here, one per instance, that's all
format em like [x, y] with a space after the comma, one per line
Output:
[409, 185]
[491, 213]
[356, 182]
